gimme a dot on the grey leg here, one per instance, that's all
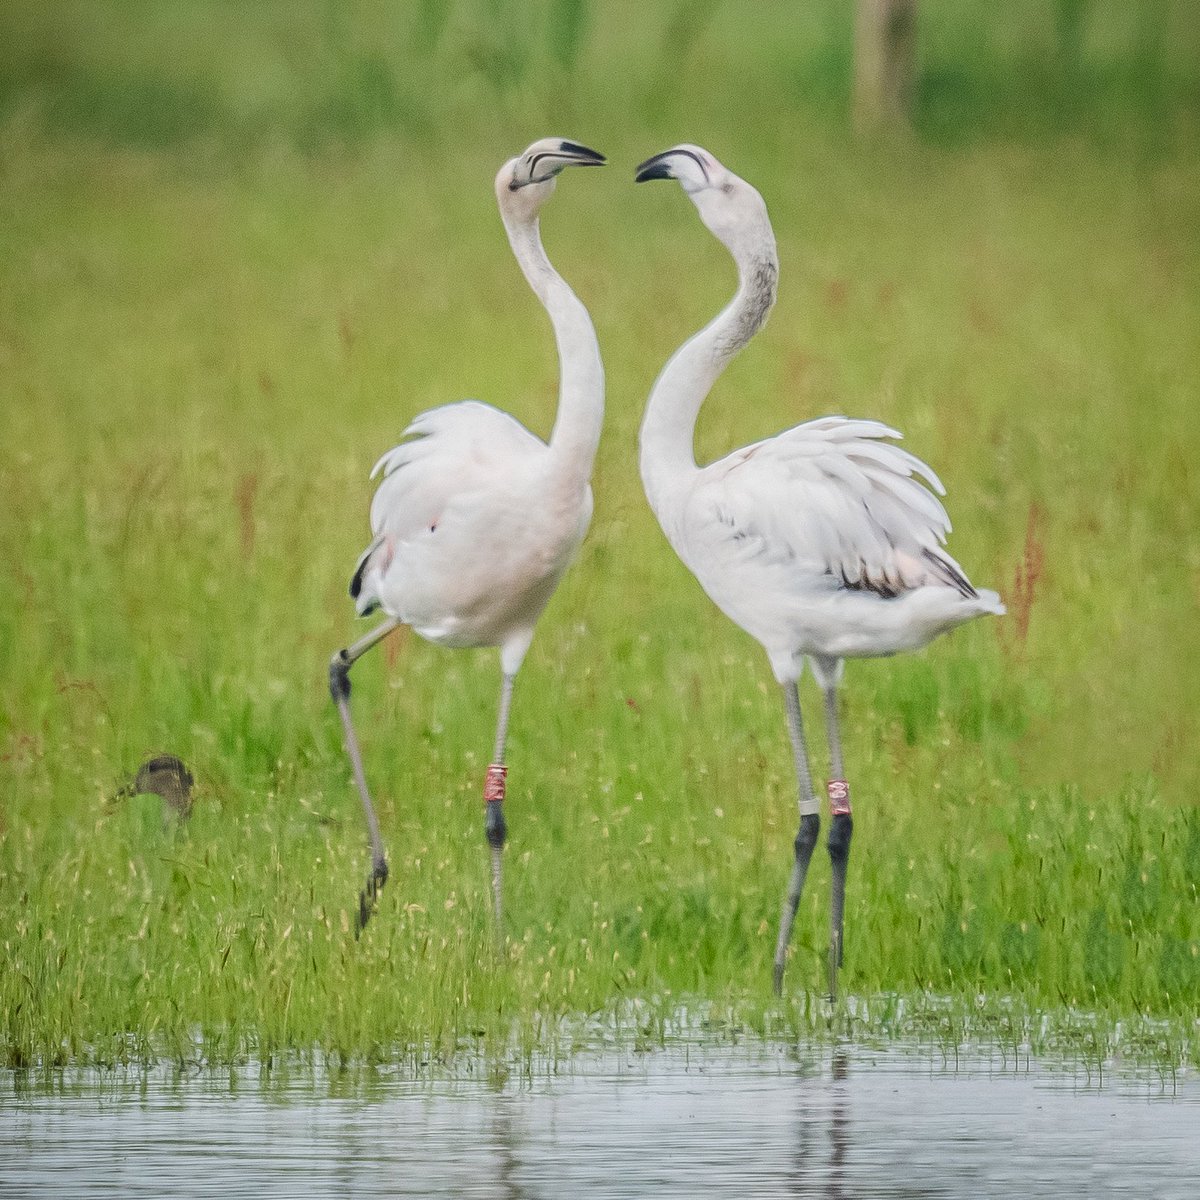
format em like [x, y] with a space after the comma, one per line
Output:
[339, 689]
[806, 838]
[841, 826]
[495, 826]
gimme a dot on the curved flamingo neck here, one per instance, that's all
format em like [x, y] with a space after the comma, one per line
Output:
[576, 432]
[668, 429]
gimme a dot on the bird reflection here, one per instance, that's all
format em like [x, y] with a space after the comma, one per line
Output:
[823, 1135]
[505, 1164]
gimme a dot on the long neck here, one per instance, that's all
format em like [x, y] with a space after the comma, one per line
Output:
[576, 432]
[668, 429]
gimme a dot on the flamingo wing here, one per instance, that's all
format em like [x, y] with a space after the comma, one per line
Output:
[446, 453]
[835, 498]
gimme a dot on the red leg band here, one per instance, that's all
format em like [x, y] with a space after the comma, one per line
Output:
[839, 797]
[493, 783]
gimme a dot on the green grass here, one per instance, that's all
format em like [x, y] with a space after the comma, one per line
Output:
[209, 331]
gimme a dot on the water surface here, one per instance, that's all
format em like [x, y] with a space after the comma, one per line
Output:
[726, 1121]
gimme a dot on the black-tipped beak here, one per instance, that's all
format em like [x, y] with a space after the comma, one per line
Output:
[581, 156]
[658, 167]
[557, 156]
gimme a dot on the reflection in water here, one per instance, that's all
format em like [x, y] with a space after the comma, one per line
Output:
[839, 1125]
[504, 1141]
[683, 1122]
[823, 1135]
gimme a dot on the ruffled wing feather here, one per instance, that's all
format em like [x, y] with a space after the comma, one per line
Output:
[834, 497]
[446, 452]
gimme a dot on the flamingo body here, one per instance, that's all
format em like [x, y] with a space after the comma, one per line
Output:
[821, 541]
[473, 528]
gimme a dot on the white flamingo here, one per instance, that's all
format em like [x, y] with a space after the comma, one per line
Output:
[819, 542]
[476, 519]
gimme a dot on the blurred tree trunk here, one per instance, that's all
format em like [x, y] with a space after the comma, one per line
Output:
[885, 62]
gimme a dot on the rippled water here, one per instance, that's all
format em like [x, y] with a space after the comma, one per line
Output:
[673, 1123]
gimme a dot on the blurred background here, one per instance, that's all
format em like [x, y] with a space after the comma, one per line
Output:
[314, 74]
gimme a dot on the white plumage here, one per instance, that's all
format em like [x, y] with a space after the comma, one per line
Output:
[825, 542]
[822, 541]
[475, 518]
[473, 527]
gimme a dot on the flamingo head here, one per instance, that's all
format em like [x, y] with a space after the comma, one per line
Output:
[728, 205]
[526, 182]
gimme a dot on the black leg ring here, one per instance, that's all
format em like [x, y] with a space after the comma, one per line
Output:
[806, 837]
[494, 825]
[840, 829]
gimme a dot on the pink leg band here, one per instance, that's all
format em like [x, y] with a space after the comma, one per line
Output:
[839, 797]
[493, 783]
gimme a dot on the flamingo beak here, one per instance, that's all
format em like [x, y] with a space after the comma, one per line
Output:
[544, 160]
[689, 164]
[575, 155]
[657, 167]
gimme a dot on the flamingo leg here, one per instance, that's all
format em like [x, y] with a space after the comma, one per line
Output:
[339, 689]
[495, 826]
[806, 838]
[841, 826]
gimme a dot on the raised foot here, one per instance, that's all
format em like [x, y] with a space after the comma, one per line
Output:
[370, 894]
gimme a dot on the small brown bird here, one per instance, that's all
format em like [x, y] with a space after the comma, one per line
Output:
[163, 775]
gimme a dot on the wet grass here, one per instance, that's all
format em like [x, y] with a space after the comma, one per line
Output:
[204, 344]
